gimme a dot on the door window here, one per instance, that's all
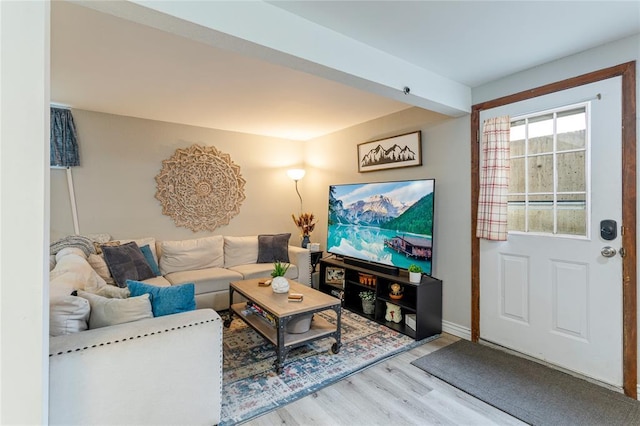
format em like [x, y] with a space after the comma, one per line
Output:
[549, 179]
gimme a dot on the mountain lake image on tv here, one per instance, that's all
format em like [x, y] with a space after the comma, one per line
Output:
[390, 223]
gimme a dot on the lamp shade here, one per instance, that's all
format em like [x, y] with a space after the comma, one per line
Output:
[296, 174]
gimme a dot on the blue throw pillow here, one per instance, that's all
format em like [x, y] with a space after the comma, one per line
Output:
[148, 254]
[166, 300]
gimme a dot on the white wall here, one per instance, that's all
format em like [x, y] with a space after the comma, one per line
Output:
[121, 156]
[24, 227]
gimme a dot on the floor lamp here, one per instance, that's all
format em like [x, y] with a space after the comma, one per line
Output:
[296, 175]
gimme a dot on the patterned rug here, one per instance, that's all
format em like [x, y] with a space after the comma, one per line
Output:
[251, 387]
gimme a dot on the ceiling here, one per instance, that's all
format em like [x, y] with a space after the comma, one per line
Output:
[303, 69]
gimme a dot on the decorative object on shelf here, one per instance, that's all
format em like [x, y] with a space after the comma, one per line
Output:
[334, 276]
[366, 279]
[390, 153]
[415, 273]
[396, 291]
[200, 188]
[410, 321]
[368, 301]
[279, 284]
[300, 324]
[306, 223]
[393, 313]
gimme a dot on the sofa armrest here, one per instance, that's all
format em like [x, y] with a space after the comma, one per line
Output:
[301, 257]
[164, 370]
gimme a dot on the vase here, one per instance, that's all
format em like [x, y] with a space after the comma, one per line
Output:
[305, 241]
[415, 277]
[280, 285]
[368, 306]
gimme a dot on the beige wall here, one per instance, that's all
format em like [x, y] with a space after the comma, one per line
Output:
[120, 156]
[332, 159]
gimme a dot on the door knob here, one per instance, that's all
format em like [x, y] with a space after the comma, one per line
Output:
[608, 251]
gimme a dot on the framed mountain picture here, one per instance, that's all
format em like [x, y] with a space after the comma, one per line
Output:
[390, 153]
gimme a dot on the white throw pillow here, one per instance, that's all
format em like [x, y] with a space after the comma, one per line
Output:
[68, 314]
[187, 255]
[112, 292]
[72, 272]
[240, 250]
[106, 312]
[100, 266]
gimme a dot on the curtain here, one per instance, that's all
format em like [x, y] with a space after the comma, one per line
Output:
[64, 145]
[494, 180]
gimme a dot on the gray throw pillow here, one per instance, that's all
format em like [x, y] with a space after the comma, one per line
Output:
[126, 262]
[273, 248]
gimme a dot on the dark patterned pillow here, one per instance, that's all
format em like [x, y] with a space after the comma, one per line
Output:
[273, 248]
[126, 262]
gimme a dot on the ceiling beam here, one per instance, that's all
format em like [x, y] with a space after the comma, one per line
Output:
[261, 30]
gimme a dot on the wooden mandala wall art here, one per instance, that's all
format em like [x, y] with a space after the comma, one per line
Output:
[200, 188]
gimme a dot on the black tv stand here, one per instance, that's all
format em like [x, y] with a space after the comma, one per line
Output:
[420, 301]
[375, 267]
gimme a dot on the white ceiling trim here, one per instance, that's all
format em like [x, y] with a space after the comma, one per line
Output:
[275, 35]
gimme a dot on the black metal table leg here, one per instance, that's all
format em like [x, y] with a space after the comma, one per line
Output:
[227, 322]
[335, 348]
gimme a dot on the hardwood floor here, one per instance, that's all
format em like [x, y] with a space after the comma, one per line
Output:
[392, 392]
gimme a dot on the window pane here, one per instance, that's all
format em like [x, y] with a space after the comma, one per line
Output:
[541, 134]
[548, 161]
[515, 213]
[516, 147]
[541, 216]
[571, 140]
[571, 129]
[516, 175]
[541, 173]
[571, 171]
[572, 214]
[541, 145]
[517, 138]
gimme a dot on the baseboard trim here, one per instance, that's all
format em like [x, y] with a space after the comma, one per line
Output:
[638, 392]
[456, 330]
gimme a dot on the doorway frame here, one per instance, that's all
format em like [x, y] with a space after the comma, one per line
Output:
[629, 274]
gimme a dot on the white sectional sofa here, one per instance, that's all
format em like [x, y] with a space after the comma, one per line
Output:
[211, 263]
[234, 259]
[158, 370]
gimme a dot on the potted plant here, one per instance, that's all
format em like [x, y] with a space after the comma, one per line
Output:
[279, 284]
[306, 224]
[415, 273]
[368, 301]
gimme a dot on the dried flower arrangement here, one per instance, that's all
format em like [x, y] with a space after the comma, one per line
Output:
[305, 222]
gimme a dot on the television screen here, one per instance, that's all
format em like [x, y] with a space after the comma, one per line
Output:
[386, 222]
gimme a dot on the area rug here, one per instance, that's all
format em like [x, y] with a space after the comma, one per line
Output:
[525, 389]
[251, 387]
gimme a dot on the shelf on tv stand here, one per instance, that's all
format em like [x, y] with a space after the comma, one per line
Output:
[424, 300]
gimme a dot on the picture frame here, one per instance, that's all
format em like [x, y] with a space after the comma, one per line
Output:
[391, 153]
[334, 275]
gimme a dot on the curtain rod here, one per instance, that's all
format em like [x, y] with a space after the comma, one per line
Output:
[60, 106]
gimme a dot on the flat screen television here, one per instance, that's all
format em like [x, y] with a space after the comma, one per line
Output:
[389, 223]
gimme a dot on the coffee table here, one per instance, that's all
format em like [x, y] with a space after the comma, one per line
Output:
[282, 311]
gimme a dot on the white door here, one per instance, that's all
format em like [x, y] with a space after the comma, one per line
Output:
[549, 291]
